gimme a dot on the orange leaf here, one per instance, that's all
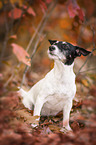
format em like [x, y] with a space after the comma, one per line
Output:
[21, 54]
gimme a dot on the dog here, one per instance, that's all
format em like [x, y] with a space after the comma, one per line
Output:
[55, 92]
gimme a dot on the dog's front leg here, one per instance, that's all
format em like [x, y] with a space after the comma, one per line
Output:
[38, 106]
[37, 110]
[66, 115]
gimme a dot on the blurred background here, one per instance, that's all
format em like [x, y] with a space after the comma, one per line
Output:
[26, 26]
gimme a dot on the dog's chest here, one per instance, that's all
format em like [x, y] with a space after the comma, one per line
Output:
[62, 90]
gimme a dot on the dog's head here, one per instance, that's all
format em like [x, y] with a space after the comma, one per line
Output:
[65, 51]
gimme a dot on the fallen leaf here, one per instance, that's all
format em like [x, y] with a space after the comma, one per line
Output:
[27, 117]
[93, 90]
[54, 127]
[75, 126]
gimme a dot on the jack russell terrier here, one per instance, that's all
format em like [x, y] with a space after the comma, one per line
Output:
[55, 92]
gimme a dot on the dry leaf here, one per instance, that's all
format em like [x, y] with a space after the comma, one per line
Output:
[54, 128]
[26, 116]
[21, 54]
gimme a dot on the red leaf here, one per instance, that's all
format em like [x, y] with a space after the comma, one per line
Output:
[81, 14]
[31, 11]
[43, 6]
[71, 11]
[21, 54]
[74, 9]
[16, 13]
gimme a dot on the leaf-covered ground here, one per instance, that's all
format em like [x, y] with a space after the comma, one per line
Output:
[16, 120]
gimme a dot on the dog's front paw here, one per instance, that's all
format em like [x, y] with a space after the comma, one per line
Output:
[35, 121]
[66, 129]
[34, 125]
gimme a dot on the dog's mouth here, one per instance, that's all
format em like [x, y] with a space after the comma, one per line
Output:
[52, 54]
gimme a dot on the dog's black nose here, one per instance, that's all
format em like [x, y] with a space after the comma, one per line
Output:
[51, 48]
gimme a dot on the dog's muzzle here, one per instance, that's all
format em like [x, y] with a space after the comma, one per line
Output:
[51, 48]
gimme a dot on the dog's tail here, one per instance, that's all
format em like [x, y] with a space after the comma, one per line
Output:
[23, 93]
[26, 100]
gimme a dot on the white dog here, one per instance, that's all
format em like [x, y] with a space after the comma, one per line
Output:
[55, 92]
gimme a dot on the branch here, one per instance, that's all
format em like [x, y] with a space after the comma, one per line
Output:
[40, 29]
[90, 53]
[34, 35]
[91, 69]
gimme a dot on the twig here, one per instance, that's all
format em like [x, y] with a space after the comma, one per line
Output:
[9, 80]
[35, 48]
[91, 69]
[23, 12]
[34, 35]
[89, 54]
[41, 27]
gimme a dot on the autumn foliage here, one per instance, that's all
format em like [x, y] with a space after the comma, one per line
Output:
[25, 27]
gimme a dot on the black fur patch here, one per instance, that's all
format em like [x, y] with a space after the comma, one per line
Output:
[68, 50]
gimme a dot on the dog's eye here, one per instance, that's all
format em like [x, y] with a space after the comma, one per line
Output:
[68, 55]
[64, 47]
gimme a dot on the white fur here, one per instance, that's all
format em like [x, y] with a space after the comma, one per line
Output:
[56, 54]
[63, 42]
[53, 93]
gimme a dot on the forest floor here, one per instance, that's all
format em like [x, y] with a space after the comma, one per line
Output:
[16, 120]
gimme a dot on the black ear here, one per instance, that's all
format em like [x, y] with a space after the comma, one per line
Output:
[52, 41]
[81, 51]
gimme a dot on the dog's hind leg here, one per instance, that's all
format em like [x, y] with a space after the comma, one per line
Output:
[26, 100]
